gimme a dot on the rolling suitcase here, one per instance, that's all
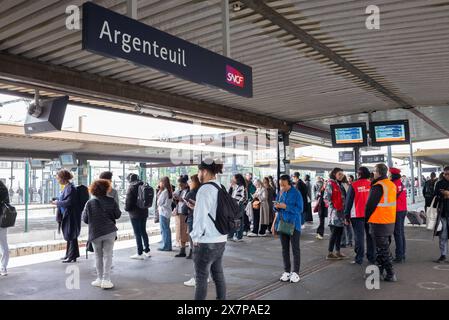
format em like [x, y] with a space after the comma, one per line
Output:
[414, 218]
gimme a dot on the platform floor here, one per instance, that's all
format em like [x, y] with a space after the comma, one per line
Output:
[252, 269]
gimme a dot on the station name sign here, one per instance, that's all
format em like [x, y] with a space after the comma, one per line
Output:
[113, 35]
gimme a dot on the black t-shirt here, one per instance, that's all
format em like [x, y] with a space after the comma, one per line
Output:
[441, 202]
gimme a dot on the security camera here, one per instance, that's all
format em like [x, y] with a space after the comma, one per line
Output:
[237, 6]
[35, 108]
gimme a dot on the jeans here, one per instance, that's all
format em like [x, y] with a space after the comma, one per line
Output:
[335, 239]
[140, 232]
[444, 235]
[360, 230]
[238, 233]
[346, 236]
[166, 233]
[399, 234]
[246, 223]
[322, 216]
[209, 256]
[190, 228]
[285, 242]
[72, 251]
[4, 250]
[103, 248]
[383, 258]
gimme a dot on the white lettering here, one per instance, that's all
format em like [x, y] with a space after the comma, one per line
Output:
[116, 33]
[155, 46]
[164, 53]
[373, 20]
[136, 44]
[105, 30]
[126, 39]
[73, 20]
[73, 281]
[373, 279]
[146, 45]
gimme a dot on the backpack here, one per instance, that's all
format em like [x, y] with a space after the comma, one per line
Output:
[429, 189]
[8, 215]
[83, 196]
[145, 196]
[227, 218]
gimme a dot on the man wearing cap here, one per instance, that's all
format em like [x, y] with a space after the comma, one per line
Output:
[380, 212]
[401, 213]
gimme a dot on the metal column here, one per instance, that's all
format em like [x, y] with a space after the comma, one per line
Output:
[131, 9]
[356, 160]
[412, 169]
[225, 28]
[389, 157]
[27, 186]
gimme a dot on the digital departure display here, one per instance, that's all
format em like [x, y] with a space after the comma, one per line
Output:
[390, 132]
[67, 159]
[349, 135]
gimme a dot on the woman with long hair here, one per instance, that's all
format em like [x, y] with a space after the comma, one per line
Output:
[164, 206]
[181, 224]
[238, 192]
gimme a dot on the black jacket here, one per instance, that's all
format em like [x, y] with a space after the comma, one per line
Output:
[69, 212]
[131, 202]
[374, 197]
[302, 188]
[191, 195]
[100, 214]
[4, 193]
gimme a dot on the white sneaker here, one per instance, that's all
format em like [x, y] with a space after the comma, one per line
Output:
[319, 237]
[138, 257]
[3, 273]
[303, 227]
[245, 233]
[107, 284]
[294, 277]
[285, 277]
[190, 283]
[147, 254]
[263, 235]
[234, 239]
[96, 283]
[252, 234]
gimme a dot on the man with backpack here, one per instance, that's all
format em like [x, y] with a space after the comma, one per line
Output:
[429, 190]
[138, 213]
[215, 214]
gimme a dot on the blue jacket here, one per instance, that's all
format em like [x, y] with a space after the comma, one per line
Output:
[295, 206]
[69, 212]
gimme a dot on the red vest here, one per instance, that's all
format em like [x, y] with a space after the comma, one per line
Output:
[361, 192]
[337, 200]
[401, 202]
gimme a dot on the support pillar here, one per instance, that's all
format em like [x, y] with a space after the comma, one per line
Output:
[389, 157]
[83, 172]
[26, 192]
[412, 175]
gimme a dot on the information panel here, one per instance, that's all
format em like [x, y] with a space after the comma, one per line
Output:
[390, 132]
[349, 135]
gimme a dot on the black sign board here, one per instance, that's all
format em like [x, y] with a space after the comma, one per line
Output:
[429, 170]
[110, 34]
[345, 156]
[377, 158]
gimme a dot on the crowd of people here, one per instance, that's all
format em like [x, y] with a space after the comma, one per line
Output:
[367, 213]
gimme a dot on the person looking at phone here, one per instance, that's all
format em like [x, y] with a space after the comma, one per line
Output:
[289, 207]
[442, 203]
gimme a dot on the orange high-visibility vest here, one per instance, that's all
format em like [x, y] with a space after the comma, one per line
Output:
[385, 212]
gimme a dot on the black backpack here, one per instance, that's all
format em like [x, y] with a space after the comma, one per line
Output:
[83, 196]
[429, 189]
[8, 215]
[145, 196]
[227, 218]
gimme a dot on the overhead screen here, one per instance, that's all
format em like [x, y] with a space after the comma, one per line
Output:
[386, 133]
[67, 160]
[349, 135]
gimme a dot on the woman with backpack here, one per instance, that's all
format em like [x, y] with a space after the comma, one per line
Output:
[181, 230]
[69, 214]
[4, 249]
[164, 207]
[100, 213]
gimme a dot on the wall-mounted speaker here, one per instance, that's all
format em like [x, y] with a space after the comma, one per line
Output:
[47, 115]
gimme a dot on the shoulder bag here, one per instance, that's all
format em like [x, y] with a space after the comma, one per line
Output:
[285, 227]
[8, 215]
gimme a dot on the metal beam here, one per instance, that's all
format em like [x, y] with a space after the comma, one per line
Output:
[276, 18]
[131, 9]
[300, 128]
[225, 28]
[34, 73]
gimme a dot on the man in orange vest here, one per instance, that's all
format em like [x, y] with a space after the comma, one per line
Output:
[356, 199]
[380, 213]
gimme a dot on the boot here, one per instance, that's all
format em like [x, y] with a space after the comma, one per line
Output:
[181, 253]
[190, 255]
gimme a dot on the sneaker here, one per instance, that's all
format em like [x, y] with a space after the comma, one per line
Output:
[96, 283]
[137, 257]
[340, 255]
[319, 237]
[294, 277]
[331, 256]
[355, 263]
[3, 273]
[262, 234]
[107, 284]
[238, 240]
[285, 277]
[234, 239]
[251, 234]
[147, 254]
[245, 233]
[303, 227]
[441, 259]
[190, 283]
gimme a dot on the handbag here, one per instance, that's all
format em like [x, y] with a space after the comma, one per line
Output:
[8, 215]
[256, 204]
[89, 248]
[285, 227]
[431, 214]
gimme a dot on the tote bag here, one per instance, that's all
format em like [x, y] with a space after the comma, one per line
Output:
[431, 214]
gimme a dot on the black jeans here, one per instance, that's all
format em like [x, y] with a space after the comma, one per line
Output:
[140, 232]
[246, 223]
[322, 215]
[335, 239]
[209, 256]
[72, 252]
[428, 202]
[383, 259]
[257, 228]
[285, 242]
[308, 217]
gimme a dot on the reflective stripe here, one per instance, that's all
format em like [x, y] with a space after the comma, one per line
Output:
[385, 191]
[391, 204]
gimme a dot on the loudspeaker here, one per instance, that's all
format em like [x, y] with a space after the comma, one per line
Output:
[47, 116]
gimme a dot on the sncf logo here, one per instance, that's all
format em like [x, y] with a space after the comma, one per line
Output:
[234, 77]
